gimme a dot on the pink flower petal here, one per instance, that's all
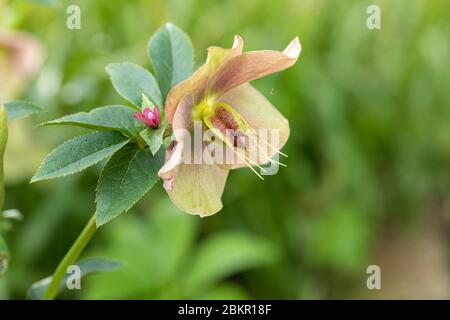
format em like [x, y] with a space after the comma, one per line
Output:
[146, 112]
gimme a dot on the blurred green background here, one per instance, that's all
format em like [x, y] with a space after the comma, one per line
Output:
[368, 175]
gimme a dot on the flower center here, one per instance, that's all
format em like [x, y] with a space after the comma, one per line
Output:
[218, 115]
[234, 131]
[204, 109]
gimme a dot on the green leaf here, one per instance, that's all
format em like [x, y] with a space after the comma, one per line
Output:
[116, 117]
[154, 137]
[131, 81]
[4, 256]
[3, 140]
[21, 109]
[172, 56]
[79, 153]
[87, 267]
[127, 177]
[227, 254]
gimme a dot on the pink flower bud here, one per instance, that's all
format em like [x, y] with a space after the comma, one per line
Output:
[148, 117]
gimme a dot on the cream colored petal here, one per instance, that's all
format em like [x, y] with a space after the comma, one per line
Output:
[198, 188]
[174, 154]
[253, 65]
[194, 188]
[260, 114]
[174, 157]
[219, 55]
[183, 116]
[197, 83]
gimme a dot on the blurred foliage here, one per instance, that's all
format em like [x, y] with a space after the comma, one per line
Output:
[368, 162]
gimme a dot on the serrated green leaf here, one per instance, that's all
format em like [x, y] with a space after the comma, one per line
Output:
[115, 117]
[79, 153]
[21, 109]
[4, 256]
[3, 140]
[226, 254]
[87, 267]
[154, 137]
[131, 81]
[127, 177]
[172, 56]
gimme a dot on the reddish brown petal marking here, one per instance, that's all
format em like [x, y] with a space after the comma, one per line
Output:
[230, 132]
[218, 124]
[227, 118]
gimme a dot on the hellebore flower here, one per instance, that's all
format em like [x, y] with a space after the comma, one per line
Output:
[219, 97]
[148, 117]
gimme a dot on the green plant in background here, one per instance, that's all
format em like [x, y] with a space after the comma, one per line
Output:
[368, 162]
[9, 110]
[135, 137]
[169, 265]
[4, 254]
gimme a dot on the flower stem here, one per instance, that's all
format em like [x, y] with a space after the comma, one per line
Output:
[70, 258]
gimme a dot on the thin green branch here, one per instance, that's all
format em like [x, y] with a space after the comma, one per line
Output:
[70, 258]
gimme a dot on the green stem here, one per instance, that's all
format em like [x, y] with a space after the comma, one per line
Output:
[70, 258]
